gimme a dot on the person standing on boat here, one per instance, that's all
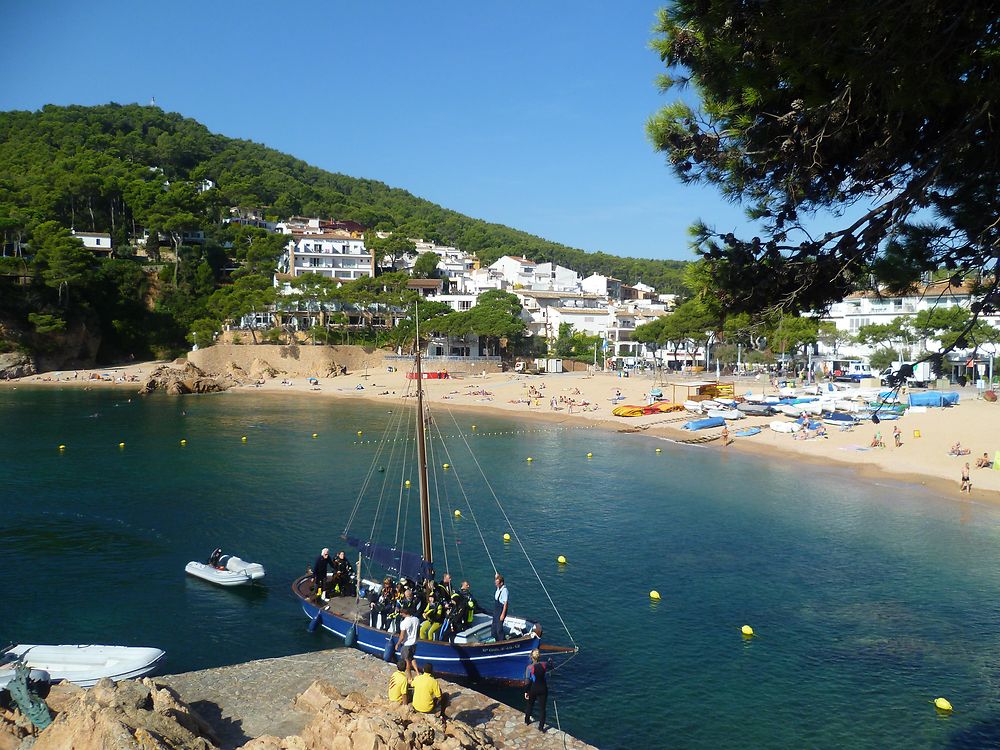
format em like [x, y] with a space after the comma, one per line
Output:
[320, 567]
[343, 573]
[538, 689]
[500, 598]
[466, 592]
[409, 629]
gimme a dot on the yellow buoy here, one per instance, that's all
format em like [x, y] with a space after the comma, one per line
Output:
[942, 704]
[406, 483]
[359, 433]
[590, 455]
[654, 595]
[530, 459]
[473, 427]
[506, 537]
[62, 447]
[561, 560]
[445, 466]
[184, 442]
[458, 514]
[243, 439]
[315, 435]
[121, 445]
[746, 630]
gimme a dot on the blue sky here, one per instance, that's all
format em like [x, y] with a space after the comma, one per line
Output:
[526, 114]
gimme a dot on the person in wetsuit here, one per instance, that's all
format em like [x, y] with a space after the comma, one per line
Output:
[537, 689]
[320, 568]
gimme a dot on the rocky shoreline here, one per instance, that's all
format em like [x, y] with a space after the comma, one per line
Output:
[327, 699]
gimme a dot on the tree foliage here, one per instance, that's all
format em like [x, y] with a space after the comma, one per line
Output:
[884, 115]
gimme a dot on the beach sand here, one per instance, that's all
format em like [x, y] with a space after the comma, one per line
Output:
[922, 459]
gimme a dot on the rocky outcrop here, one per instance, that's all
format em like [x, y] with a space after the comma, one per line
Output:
[187, 379]
[268, 361]
[129, 715]
[16, 365]
[274, 704]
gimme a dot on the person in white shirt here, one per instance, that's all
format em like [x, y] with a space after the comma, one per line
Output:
[499, 608]
[407, 641]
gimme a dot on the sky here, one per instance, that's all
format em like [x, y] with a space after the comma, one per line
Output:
[526, 114]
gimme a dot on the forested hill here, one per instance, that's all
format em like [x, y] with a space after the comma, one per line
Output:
[102, 169]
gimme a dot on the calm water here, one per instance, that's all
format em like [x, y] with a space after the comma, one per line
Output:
[868, 600]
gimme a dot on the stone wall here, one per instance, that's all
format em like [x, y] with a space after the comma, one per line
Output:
[294, 361]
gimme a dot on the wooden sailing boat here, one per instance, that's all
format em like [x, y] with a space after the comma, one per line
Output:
[471, 652]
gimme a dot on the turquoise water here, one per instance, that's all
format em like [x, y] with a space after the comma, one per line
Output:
[869, 600]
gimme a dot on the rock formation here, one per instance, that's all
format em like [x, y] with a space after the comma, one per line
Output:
[15, 365]
[188, 379]
[146, 715]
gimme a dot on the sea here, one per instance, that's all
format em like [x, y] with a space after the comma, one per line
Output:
[868, 599]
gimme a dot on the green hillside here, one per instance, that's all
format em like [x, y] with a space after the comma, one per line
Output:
[105, 168]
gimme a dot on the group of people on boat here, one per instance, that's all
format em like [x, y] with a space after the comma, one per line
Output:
[440, 610]
[341, 583]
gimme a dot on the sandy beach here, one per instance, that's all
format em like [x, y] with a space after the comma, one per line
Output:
[923, 458]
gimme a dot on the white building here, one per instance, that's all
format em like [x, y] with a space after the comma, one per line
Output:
[454, 265]
[603, 286]
[518, 272]
[543, 312]
[97, 242]
[339, 255]
[552, 277]
[867, 308]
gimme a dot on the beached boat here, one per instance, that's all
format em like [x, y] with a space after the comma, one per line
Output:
[785, 426]
[756, 410]
[748, 432]
[82, 665]
[227, 570]
[470, 650]
[725, 413]
[704, 424]
[839, 419]
[693, 406]
[789, 410]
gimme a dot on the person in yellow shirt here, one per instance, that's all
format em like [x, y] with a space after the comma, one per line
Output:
[426, 691]
[399, 686]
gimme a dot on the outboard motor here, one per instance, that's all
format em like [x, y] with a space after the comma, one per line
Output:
[39, 683]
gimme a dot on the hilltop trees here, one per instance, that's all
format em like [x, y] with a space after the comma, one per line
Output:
[883, 116]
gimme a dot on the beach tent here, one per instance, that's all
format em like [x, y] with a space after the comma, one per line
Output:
[934, 398]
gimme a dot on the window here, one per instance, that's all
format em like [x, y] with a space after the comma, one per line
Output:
[314, 262]
[98, 241]
[464, 304]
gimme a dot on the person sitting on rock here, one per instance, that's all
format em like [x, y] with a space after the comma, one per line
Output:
[427, 694]
[399, 686]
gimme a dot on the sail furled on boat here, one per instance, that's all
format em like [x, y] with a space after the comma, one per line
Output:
[393, 560]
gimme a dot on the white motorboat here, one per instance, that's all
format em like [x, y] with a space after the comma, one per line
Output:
[785, 426]
[693, 406]
[229, 571]
[789, 410]
[82, 665]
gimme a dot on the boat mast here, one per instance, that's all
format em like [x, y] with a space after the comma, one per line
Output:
[425, 503]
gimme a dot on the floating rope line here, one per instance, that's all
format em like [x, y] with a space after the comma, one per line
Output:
[513, 531]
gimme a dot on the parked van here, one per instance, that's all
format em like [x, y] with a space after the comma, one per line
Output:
[921, 374]
[850, 369]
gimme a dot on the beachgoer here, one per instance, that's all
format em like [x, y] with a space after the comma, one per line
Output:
[538, 689]
[500, 597]
[725, 435]
[966, 479]
[427, 692]
[984, 462]
[319, 570]
[409, 629]
[897, 435]
[399, 686]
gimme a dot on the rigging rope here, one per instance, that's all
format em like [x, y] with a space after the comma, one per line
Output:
[437, 496]
[513, 531]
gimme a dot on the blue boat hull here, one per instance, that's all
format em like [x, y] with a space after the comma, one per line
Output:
[504, 662]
